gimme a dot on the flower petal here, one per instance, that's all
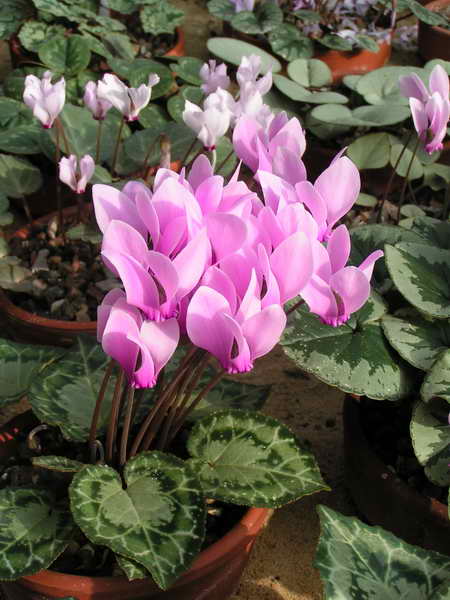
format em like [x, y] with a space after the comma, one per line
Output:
[292, 264]
[263, 330]
[338, 248]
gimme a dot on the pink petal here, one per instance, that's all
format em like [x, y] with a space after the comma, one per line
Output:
[121, 237]
[290, 136]
[263, 330]
[104, 309]
[240, 362]
[411, 86]
[419, 115]
[245, 135]
[206, 326]
[239, 267]
[269, 223]
[148, 216]
[226, 233]
[158, 342]
[310, 197]
[292, 264]
[164, 272]
[272, 294]
[122, 322]
[368, 263]
[288, 166]
[251, 302]
[209, 194]
[321, 260]
[110, 203]
[352, 286]
[192, 262]
[295, 218]
[201, 169]
[174, 237]
[219, 281]
[338, 248]
[320, 299]
[277, 192]
[439, 82]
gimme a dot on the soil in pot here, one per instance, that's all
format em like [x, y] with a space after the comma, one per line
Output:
[434, 42]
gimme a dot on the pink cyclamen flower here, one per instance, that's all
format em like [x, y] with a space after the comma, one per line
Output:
[45, 98]
[335, 291]
[430, 108]
[236, 333]
[209, 123]
[129, 101]
[131, 340]
[214, 76]
[240, 5]
[248, 73]
[76, 174]
[98, 106]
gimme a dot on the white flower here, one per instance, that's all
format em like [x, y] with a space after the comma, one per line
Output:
[248, 72]
[128, 101]
[45, 98]
[98, 106]
[76, 175]
[214, 76]
[209, 124]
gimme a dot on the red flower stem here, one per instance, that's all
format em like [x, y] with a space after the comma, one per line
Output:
[114, 415]
[296, 305]
[98, 144]
[97, 409]
[126, 426]
[405, 180]
[117, 146]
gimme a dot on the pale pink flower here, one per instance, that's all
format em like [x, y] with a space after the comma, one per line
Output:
[209, 123]
[45, 98]
[97, 106]
[129, 101]
[214, 76]
[76, 174]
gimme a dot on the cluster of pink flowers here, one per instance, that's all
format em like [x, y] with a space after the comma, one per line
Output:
[212, 260]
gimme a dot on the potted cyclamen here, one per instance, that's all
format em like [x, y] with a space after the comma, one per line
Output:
[202, 262]
[396, 358]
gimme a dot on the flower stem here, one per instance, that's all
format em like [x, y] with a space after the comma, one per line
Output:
[97, 409]
[213, 160]
[60, 128]
[126, 426]
[114, 415]
[26, 208]
[387, 190]
[405, 180]
[296, 305]
[58, 184]
[185, 413]
[117, 146]
[191, 147]
[99, 138]
[147, 157]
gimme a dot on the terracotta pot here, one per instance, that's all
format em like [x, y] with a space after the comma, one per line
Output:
[214, 575]
[386, 500]
[180, 47]
[355, 62]
[28, 327]
[434, 42]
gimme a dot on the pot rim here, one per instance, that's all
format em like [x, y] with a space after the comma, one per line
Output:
[180, 46]
[240, 535]
[435, 4]
[37, 321]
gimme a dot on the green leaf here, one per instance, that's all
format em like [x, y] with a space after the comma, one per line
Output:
[222, 9]
[366, 200]
[33, 532]
[9, 110]
[335, 42]
[57, 463]
[126, 7]
[138, 145]
[288, 41]
[432, 231]
[437, 381]
[141, 68]
[310, 16]
[69, 55]
[370, 151]
[359, 561]
[152, 115]
[250, 459]
[87, 232]
[188, 69]
[381, 85]
[309, 72]
[431, 442]
[232, 51]
[354, 357]
[324, 131]
[367, 42]
[421, 274]
[132, 569]
[363, 116]
[411, 211]
[266, 17]
[416, 169]
[19, 366]
[18, 177]
[431, 17]
[33, 34]
[223, 149]
[158, 520]
[12, 15]
[297, 92]
[66, 392]
[23, 139]
[101, 175]
[351, 81]
[436, 176]
[161, 17]
[417, 340]
[176, 104]
[367, 238]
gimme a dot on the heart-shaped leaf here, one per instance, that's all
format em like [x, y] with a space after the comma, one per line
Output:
[66, 392]
[266, 17]
[421, 274]
[355, 357]
[69, 55]
[288, 41]
[188, 69]
[437, 381]
[431, 17]
[176, 104]
[370, 151]
[367, 42]
[23, 139]
[309, 72]
[402, 167]
[359, 561]
[57, 463]
[417, 340]
[297, 92]
[158, 520]
[433, 231]
[19, 366]
[251, 459]
[232, 51]
[222, 9]
[431, 442]
[160, 17]
[139, 144]
[381, 85]
[153, 115]
[131, 568]
[18, 177]
[33, 533]
[336, 42]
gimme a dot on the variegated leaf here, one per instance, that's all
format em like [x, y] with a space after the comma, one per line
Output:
[367, 563]
[431, 441]
[132, 569]
[437, 380]
[33, 533]
[432, 231]
[355, 357]
[66, 392]
[57, 463]
[417, 340]
[421, 273]
[158, 519]
[19, 365]
[250, 459]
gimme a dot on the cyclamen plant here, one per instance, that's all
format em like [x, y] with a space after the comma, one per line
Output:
[209, 272]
